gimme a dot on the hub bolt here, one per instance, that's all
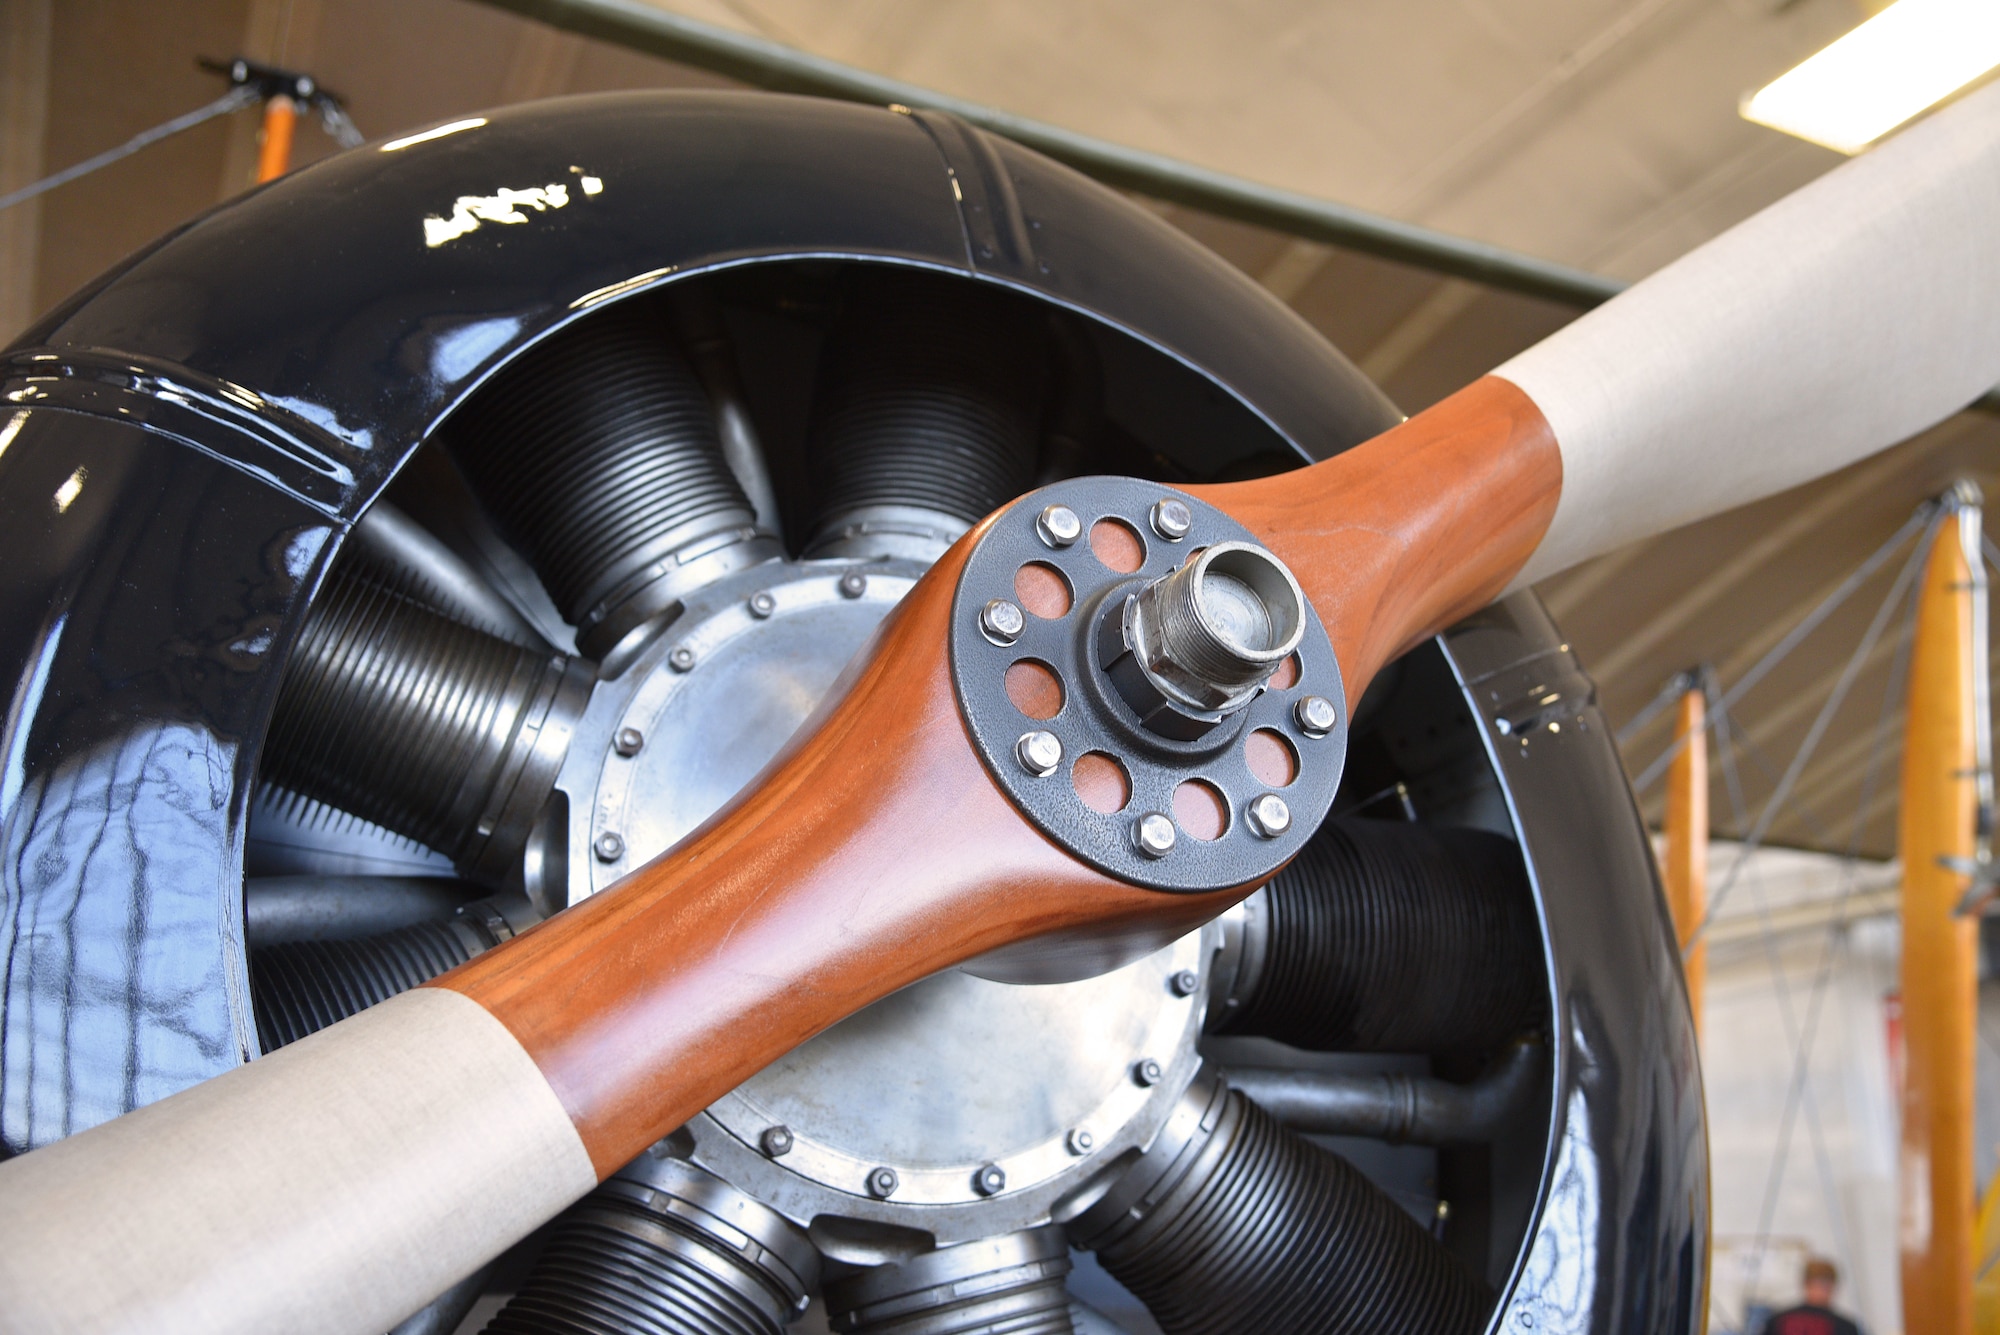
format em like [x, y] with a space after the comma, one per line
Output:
[882, 1183]
[628, 741]
[762, 604]
[681, 659]
[609, 847]
[1269, 816]
[1172, 519]
[1058, 526]
[1184, 983]
[1040, 753]
[1316, 715]
[1148, 1073]
[853, 584]
[1002, 622]
[1153, 835]
[1079, 1141]
[777, 1141]
[990, 1180]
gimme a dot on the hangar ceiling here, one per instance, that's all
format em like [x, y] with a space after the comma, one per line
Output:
[1598, 133]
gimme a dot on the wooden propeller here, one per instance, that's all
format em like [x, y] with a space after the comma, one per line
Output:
[340, 1183]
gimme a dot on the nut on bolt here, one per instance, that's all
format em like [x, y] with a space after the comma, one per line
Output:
[762, 604]
[1058, 526]
[608, 846]
[990, 1180]
[1148, 1072]
[628, 742]
[1171, 518]
[1153, 834]
[777, 1141]
[1315, 715]
[1268, 814]
[853, 584]
[1039, 752]
[681, 659]
[882, 1183]
[1079, 1141]
[1185, 983]
[1001, 621]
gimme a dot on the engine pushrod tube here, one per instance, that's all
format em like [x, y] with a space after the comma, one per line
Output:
[1397, 1107]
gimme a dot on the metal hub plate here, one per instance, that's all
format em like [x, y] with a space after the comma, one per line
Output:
[1094, 720]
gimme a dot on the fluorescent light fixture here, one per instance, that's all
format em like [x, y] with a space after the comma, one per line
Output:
[425, 136]
[1910, 56]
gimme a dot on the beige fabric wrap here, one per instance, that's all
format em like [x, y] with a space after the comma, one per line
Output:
[335, 1186]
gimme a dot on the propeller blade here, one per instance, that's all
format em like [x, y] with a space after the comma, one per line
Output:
[1839, 321]
[341, 1183]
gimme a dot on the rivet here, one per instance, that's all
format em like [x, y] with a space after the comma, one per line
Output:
[1315, 715]
[1079, 1141]
[609, 847]
[762, 604]
[1172, 519]
[1001, 621]
[882, 1183]
[1269, 816]
[1153, 835]
[1040, 753]
[777, 1141]
[681, 659]
[628, 741]
[853, 584]
[1058, 526]
[1184, 983]
[990, 1180]
[1147, 1072]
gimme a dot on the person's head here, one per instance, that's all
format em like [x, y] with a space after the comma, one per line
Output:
[1820, 1278]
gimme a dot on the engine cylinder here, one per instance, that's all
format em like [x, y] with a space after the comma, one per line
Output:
[423, 725]
[597, 455]
[927, 417]
[1006, 1285]
[301, 987]
[1391, 937]
[664, 1248]
[1232, 1225]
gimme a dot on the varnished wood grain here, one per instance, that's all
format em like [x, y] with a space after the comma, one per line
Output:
[1403, 535]
[877, 852]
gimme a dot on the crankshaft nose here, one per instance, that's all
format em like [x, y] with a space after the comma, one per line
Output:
[1199, 642]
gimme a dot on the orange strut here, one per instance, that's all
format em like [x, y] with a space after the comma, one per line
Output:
[1687, 840]
[274, 150]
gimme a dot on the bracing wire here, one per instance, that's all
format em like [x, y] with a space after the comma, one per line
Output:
[233, 100]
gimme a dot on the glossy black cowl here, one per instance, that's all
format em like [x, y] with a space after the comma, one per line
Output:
[188, 440]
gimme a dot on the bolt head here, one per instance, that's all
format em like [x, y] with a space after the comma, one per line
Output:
[1153, 834]
[1185, 983]
[681, 659]
[1269, 816]
[882, 1183]
[1002, 622]
[608, 846]
[1079, 1141]
[628, 741]
[1058, 526]
[1148, 1073]
[762, 604]
[1172, 519]
[1315, 715]
[853, 584]
[777, 1141]
[990, 1180]
[1039, 752]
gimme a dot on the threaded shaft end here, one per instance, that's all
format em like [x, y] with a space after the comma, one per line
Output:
[597, 454]
[613, 1268]
[1390, 937]
[407, 718]
[1268, 1232]
[931, 399]
[302, 987]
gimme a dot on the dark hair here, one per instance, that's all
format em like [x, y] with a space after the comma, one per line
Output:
[1819, 1268]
